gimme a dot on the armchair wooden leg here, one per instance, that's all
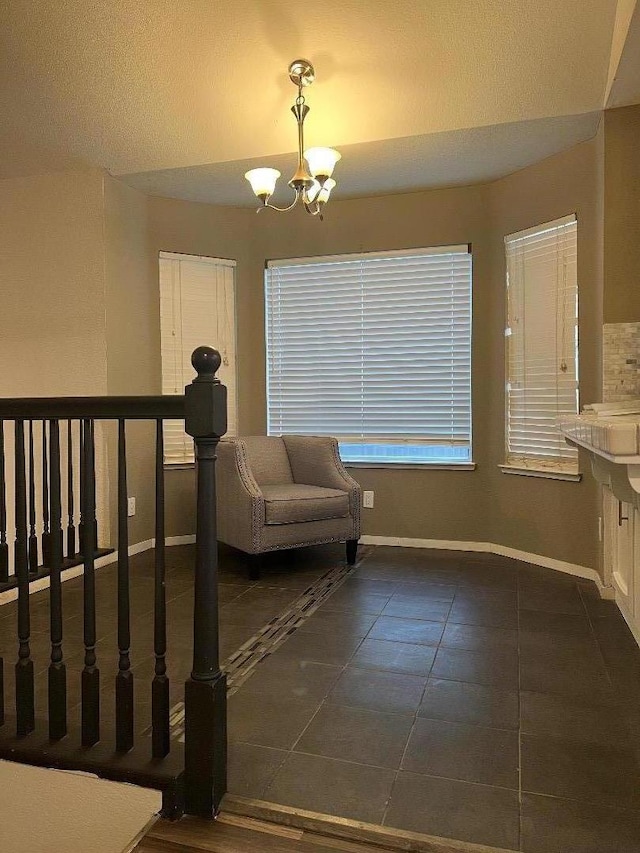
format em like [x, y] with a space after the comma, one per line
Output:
[352, 551]
[254, 562]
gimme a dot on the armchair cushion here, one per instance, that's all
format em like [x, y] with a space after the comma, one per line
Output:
[290, 503]
[268, 460]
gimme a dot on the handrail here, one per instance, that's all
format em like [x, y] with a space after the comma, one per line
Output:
[193, 778]
[103, 408]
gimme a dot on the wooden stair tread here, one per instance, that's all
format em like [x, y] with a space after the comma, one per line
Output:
[233, 834]
[268, 828]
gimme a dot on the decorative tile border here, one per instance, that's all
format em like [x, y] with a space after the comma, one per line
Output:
[243, 662]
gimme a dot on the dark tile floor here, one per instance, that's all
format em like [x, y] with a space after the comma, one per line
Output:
[461, 695]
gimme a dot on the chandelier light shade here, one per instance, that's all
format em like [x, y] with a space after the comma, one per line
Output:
[263, 181]
[312, 181]
[322, 161]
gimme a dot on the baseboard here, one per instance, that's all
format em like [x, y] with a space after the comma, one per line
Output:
[189, 539]
[633, 627]
[500, 550]
[108, 559]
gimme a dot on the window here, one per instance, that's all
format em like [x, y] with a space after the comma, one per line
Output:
[374, 349]
[542, 345]
[197, 306]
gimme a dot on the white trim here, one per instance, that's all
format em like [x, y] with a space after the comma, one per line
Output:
[205, 259]
[546, 473]
[189, 539]
[414, 466]
[500, 550]
[462, 249]
[542, 229]
[633, 627]
[76, 571]
[138, 548]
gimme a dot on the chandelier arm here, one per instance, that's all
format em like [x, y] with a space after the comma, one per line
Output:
[281, 209]
[313, 208]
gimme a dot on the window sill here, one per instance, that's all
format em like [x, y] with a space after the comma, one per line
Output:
[545, 473]
[416, 466]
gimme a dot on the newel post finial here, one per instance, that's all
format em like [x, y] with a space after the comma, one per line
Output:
[206, 361]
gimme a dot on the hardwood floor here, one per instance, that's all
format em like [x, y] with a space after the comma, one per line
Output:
[235, 834]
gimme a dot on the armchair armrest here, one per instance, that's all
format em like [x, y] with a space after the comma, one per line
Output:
[240, 503]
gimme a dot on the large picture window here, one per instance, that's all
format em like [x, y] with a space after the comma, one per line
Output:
[374, 349]
[542, 345]
[197, 306]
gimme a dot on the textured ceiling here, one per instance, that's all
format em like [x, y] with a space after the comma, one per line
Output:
[414, 92]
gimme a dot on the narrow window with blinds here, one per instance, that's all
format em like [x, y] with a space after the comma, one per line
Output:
[197, 307]
[374, 349]
[541, 345]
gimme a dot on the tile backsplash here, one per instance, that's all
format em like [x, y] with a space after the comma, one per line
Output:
[620, 361]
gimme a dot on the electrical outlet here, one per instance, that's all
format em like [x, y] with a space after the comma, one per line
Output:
[367, 499]
[131, 507]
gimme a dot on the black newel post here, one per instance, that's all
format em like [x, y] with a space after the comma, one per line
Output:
[206, 690]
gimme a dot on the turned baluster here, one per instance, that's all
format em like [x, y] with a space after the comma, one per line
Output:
[57, 670]
[25, 708]
[124, 678]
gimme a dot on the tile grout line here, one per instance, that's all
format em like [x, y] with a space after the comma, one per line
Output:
[415, 716]
[594, 635]
[324, 699]
[520, 822]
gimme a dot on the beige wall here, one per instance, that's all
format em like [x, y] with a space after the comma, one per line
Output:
[132, 320]
[554, 518]
[541, 516]
[52, 336]
[423, 504]
[224, 232]
[622, 215]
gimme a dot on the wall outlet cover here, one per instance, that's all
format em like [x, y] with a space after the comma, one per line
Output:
[131, 507]
[367, 499]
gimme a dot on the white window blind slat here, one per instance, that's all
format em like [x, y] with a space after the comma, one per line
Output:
[541, 342]
[373, 349]
[197, 306]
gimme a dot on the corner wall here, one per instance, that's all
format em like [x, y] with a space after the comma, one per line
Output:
[85, 248]
[622, 215]
[549, 517]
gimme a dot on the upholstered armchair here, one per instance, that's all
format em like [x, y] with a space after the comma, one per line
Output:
[285, 492]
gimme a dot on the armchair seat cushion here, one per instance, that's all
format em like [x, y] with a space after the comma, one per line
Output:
[295, 502]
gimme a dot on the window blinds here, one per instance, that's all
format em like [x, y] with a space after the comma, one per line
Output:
[197, 306]
[372, 348]
[542, 343]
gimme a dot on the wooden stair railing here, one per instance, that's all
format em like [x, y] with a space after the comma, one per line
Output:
[192, 778]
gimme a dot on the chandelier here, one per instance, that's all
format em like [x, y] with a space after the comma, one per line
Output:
[312, 181]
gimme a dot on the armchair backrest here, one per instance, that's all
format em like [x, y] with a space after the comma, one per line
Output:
[268, 459]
